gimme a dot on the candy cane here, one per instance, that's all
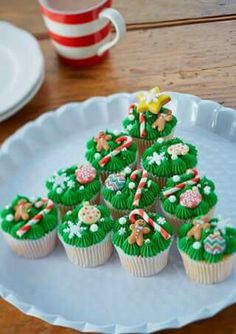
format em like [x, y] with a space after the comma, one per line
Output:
[131, 108]
[141, 120]
[126, 140]
[38, 217]
[141, 185]
[147, 219]
[177, 187]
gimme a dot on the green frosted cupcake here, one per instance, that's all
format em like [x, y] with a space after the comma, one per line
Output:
[149, 120]
[71, 186]
[208, 249]
[111, 153]
[188, 196]
[165, 159]
[29, 226]
[123, 192]
[142, 241]
[85, 234]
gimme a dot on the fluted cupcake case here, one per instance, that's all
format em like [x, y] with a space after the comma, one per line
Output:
[142, 241]
[85, 234]
[125, 191]
[149, 120]
[110, 153]
[187, 196]
[29, 227]
[165, 159]
[71, 186]
[207, 248]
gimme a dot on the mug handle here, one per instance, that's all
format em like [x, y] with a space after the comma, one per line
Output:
[119, 23]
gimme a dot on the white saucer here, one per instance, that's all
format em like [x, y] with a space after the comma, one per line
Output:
[21, 68]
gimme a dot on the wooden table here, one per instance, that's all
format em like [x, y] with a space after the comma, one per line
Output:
[180, 45]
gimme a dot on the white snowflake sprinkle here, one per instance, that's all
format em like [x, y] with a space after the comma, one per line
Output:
[176, 178]
[129, 127]
[150, 97]
[131, 185]
[93, 228]
[127, 170]
[196, 245]
[161, 220]
[122, 231]
[71, 184]
[207, 190]
[9, 218]
[172, 199]
[59, 190]
[97, 156]
[74, 230]
[156, 158]
[59, 181]
[147, 241]
[122, 221]
[131, 117]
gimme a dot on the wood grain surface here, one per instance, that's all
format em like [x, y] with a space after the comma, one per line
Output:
[181, 45]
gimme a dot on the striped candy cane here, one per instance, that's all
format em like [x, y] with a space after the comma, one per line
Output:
[141, 120]
[195, 179]
[131, 108]
[141, 185]
[38, 217]
[148, 220]
[126, 142]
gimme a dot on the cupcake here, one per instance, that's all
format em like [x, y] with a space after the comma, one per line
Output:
[207, 248]
[110, 153]
[187, 196]
[71, 186]
[29, 226]
[142, 241]
[168, 158]
[149, 120]
[85, 234]
[125, 191]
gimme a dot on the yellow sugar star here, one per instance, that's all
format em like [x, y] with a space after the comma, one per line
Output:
[152, 101]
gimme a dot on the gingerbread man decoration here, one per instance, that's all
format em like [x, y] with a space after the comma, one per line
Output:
[21, 210]
[162, 119]
[138, 230]
[101, 140]
[198, 226]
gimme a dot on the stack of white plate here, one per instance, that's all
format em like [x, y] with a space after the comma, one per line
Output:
[21, 69]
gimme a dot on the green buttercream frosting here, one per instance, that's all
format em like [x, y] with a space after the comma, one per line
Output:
[132, 125]
[154, 242]
[214, 244]
[10, 223]
[79, 232]
[173, 204]
[163, 159]
[116, 163]
[123, 198]
[64, 188]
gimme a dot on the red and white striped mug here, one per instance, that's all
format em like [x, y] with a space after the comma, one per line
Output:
[80, 30]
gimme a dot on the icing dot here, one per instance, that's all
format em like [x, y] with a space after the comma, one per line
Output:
[97, 156]
[172, 199]
[118, 192]
[59, 190]
[7, 207]
[122, 221]
[124, 149]
[69, 212]
[174, 157]
[93, 228]
[176, 178]
[160, 140]
[147, 241]
[196, 245]
[149, 183]
[9, 218]
[81, 187]
[127, 170]
[129, 127]
[131, 185]
[131, 117]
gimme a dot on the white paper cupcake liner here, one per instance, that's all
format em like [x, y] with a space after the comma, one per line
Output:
[208, 273]
[177, 222]
[63, 209]
[143, 266]
[32, 249]
[116, 214]
[91, 256]
[104, 175]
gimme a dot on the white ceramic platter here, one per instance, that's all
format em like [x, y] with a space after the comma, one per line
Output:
[21, 67]
[107, 299]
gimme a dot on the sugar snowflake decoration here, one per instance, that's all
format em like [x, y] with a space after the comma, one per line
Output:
[59, 181]
[207, 190]
[122, 231]
[156, 158]
[74, 230]
[222, 224]
[161, 220]
[70, 184]
[129, 127]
